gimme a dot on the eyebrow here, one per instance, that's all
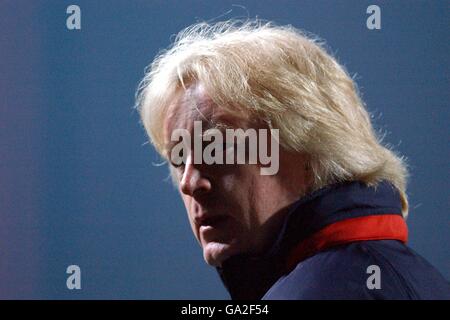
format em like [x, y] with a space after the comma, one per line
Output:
[219, 125]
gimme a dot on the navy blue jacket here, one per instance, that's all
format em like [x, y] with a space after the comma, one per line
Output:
[345, 241]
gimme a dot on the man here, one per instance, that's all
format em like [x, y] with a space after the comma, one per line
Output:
[328, 222]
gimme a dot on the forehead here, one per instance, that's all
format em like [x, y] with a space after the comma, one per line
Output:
[195, 105]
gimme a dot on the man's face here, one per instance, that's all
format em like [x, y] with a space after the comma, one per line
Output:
[232, 208]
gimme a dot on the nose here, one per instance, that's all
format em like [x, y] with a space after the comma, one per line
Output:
[193, 181]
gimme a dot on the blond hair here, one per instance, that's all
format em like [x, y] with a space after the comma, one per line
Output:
[280, 75]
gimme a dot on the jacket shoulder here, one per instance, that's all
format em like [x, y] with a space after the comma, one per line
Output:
[382, 269]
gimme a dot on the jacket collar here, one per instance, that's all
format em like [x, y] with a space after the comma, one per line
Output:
[334, 215]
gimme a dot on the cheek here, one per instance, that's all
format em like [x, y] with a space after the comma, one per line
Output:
[239, 191]
[240, 178]
[229, 183]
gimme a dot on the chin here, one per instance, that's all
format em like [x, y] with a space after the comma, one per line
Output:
[216, 253]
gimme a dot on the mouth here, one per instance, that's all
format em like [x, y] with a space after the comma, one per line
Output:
[209, 225]
[213, 221]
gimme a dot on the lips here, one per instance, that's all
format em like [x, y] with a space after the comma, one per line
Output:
[214, 229]
[212, 221]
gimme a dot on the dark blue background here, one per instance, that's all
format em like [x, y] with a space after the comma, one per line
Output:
[77, 184]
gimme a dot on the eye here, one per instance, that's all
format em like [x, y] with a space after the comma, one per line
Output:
[222, 149]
